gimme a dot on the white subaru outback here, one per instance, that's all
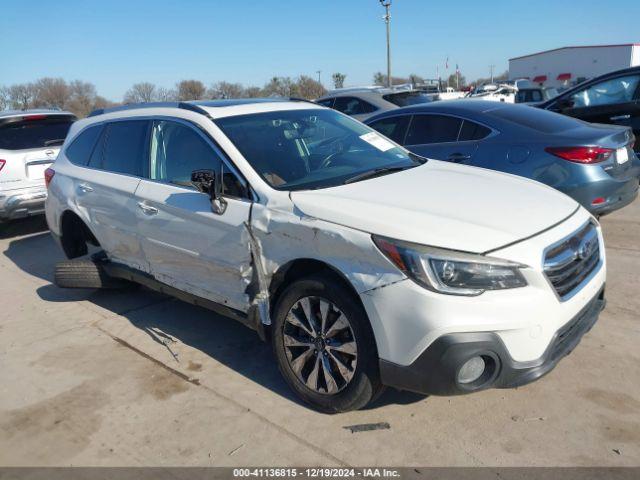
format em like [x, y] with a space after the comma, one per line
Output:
[29, 143]
[364, 264]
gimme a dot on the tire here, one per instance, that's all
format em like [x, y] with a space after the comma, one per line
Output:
[85, 274]
[362, 384]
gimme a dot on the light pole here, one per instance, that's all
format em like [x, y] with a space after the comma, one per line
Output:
[319, 72]
[387, 19]
[491, 67]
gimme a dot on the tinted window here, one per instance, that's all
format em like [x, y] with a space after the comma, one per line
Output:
[353, 106]
[394, 127]
[472, 131]
[124, 149]
[95, 161]
[40, 133]
[404, 99]
[325, 103]
[82, 147]
[534, 118]
[609, 92]
[433, 129]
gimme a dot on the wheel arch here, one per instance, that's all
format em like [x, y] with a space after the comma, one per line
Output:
[75, 234]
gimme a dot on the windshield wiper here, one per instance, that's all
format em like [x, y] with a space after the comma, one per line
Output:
[374, 173]
[57, 141]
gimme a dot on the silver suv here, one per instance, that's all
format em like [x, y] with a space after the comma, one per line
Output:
[29, 143]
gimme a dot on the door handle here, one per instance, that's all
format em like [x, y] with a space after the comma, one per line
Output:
[620, 117]
[146, 209]
[458, 157]
[84, 188]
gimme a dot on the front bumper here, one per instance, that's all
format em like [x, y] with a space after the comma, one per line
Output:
[22, 203]
[435, 371]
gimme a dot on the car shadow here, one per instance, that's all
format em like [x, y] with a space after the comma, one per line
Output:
[164, 318]
[22, 227]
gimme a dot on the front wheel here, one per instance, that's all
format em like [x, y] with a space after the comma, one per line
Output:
[324, 345]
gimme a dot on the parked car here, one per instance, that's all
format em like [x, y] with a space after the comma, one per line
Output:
[613, 98]
[29, 143]
[594, 164]
[362, 102]
[365, 264]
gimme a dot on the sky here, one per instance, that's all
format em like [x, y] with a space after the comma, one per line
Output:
[116, 43]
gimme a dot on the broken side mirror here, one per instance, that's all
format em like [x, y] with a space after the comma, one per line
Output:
[206, 181]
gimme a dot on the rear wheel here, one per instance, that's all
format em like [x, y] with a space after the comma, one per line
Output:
[324, 345]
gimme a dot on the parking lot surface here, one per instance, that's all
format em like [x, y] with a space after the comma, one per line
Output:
[135, 378]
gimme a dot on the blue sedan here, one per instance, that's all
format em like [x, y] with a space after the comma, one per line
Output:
[595, 164]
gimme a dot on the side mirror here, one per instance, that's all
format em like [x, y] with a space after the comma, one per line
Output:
[206, 181]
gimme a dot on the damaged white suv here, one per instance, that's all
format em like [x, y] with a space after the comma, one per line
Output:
[364, 264]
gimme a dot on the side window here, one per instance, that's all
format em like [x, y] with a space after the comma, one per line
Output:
[609, 92]
[536, 96]
[393, 127]
[353, 106]
[177, 150]
[472, 131]
[426, 129]
[326, 102]
[124, 148]
[81, 148]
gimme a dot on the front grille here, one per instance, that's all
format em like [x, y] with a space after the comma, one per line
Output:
[568, 263]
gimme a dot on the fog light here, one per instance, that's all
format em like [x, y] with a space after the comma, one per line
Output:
[472, 370]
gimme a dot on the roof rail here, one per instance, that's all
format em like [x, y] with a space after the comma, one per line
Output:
[134, 106]
[299, 99]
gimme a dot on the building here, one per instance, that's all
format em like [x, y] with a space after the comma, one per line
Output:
[567, 66]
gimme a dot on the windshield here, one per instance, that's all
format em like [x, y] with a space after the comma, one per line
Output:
[404, 99]
[309, 149]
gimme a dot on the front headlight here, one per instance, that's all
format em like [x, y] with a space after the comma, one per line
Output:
[448, 271]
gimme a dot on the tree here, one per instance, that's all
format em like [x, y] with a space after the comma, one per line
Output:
[307, 87]
[50, 93]
[82, 97]
[190, 90]
[279, 87]
[144, 92]
[226, 90]
[451, 81]
[338, 79]
[166, 94]
[416, 79]
[380, 78]
[253, 92]
[21, 96]
[4, 98]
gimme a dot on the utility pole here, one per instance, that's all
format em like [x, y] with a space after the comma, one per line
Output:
[319, 72]
[387, 19]
[491, 67]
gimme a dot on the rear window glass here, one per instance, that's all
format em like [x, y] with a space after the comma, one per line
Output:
[27, 134]
[534, 118]
[405, 99]
[472, 131]
[81, 148]
[353, 106]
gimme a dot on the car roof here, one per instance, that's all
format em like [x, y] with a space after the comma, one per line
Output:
[459, 106]
[32, 111]
[217, 108]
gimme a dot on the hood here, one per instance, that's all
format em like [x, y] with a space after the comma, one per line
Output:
[442, 205]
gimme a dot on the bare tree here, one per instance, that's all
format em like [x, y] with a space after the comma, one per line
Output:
[21, 96]
[279, 87]
[4, 98]
[50, 93]
[225, 90]
[416, 79]
[338, 79]
[82, 97]
[190, 90]
[101, 102]
[307, 87]
[143, 92]
[380, 79]
[253, 92]
[166, 94]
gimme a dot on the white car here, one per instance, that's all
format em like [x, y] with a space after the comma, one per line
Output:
[365, 264]
[29, 143]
